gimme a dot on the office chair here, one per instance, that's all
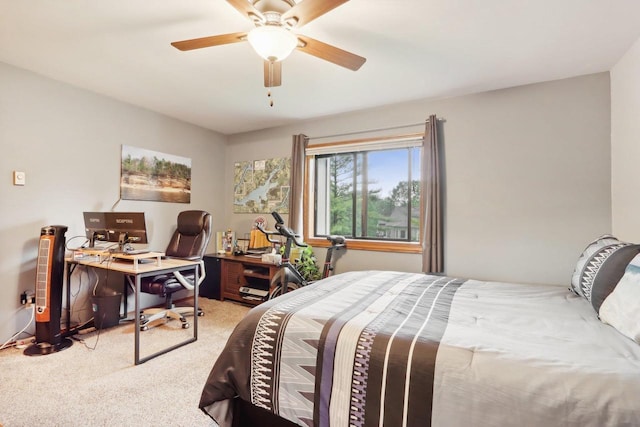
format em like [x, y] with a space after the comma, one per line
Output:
[189, 241]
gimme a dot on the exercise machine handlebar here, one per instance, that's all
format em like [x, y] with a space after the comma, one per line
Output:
[281, 230]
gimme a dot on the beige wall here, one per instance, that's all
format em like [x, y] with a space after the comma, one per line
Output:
[528, 174]
[68, 142]
[528, 177]
[625, 145]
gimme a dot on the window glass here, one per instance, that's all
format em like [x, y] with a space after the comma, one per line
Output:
[368, 194]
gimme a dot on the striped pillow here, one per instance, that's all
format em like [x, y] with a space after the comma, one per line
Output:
[600, 268]
[621, 309]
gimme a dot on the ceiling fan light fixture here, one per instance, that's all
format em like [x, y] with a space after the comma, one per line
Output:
[272, 42]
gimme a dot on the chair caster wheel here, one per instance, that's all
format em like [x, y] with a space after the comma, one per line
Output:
[201, 313]
[185, 325]
[144, 328]
[143, 317]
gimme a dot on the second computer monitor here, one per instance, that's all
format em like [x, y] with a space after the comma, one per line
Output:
[130, 224]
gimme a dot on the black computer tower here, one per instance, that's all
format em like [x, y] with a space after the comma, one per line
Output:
[210, 287]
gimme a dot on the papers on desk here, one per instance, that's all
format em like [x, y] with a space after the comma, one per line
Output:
[133, 258]
[86, 257]
[90, 255]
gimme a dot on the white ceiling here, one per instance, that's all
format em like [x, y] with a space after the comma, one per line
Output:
[414, 48]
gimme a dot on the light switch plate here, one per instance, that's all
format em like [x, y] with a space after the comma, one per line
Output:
[19, 178]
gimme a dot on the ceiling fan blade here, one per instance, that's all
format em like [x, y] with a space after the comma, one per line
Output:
[210, 41]
[272, 73]
[330, 53]
[308, 10]
[247, 9]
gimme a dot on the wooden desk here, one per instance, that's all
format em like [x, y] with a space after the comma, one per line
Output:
[134, 271]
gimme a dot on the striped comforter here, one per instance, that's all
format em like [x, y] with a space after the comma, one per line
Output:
[380, 348]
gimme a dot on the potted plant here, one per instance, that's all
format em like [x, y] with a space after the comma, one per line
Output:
[306, 264]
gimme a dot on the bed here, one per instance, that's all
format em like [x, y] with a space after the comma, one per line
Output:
[384, 348]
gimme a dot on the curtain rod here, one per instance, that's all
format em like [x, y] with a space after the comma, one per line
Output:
[373, 130]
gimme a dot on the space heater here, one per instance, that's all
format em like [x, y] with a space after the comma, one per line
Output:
[49, 285]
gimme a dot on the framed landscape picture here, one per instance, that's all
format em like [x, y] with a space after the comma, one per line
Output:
[154, 176]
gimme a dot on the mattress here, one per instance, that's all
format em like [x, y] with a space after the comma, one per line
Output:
[384, 348]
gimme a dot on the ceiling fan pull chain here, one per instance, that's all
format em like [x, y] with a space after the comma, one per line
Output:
[270, 83]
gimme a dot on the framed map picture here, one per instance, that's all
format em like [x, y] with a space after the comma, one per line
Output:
[261, 186]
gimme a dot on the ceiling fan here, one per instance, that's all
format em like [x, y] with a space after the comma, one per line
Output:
[273, 38]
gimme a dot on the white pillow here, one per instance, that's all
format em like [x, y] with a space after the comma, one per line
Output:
[621, 309]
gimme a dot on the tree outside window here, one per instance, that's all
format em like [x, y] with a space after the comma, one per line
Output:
[367, 195]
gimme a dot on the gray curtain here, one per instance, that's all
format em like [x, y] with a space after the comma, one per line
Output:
[298, 148]
[432, 228]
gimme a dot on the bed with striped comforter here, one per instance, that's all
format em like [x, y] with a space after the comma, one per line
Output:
[381, 348]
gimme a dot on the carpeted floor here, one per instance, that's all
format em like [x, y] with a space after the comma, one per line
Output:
[102, 387]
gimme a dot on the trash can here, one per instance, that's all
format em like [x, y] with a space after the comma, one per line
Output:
[106, 310]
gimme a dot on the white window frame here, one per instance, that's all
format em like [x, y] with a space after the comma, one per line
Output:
[369, 144]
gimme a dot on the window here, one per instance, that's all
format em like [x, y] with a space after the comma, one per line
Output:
[367, 191]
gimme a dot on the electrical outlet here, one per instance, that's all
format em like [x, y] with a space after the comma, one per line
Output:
[25, 342]
[27, 297]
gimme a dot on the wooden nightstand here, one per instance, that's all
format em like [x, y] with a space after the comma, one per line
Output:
[243, 271]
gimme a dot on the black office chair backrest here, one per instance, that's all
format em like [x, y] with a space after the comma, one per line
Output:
[192, 235]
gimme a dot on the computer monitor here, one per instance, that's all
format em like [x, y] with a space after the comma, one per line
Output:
[95, 227]
[126, 227]
[118, 227]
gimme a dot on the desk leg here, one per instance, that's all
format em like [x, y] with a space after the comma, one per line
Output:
[125, 293]
[137, 317]
[195, 304]
[138, 359]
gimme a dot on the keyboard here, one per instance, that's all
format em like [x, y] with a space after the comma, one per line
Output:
[130, 261]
